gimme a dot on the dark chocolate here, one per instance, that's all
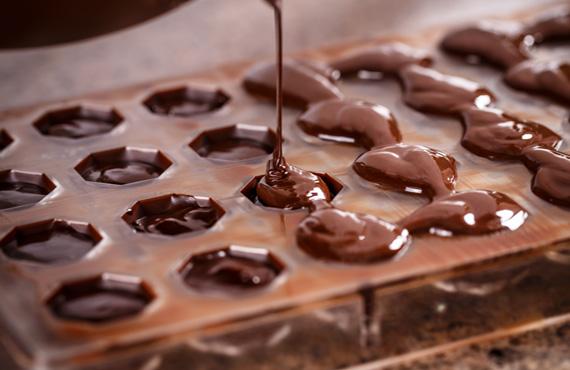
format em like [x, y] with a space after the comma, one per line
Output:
[18, 188]
[499, 43]
[430, 91]
[494, 134]
[186, 101]
[409, 168]
[552, 174]
[550, 78]
[335, 235]
[472, 212]
[553, 26]
[78, 122]
[355, 122]
[5, 140]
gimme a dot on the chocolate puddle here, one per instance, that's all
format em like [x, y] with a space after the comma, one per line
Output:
[551, 181]
[554, 26]
[186, 101]
[550, 78]
[120, 172]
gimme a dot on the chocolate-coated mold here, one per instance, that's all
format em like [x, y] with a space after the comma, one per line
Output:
[233, 269]
[101, 299]
[50, 242]
[78, 122]
[250, 189]
[235, 143]
[124, 165]
[186, 101]
[173, 214]
[18, 188]
[5, 140]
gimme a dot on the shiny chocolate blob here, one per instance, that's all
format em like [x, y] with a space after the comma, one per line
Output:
[550, 78]
[553, 26]
[551, 181]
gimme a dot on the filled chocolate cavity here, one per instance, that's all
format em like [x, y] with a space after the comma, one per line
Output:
[550, 78]
[303, 83]
[335, 235]
[173, 214]
[385, 59]
[235, 143]
[353, 122]
[123, 165]
[499, 43]
[18, 188]
[552, 26]
[407, 168]
[5, 140]
[234, 269]
[78, 122]
[51, 242]
[101, 299]
[493, 134]
[430, 91]
[472, 212]
[551, 181]
[186, 101]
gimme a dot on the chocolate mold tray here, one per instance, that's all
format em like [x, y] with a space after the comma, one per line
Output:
[169, 158]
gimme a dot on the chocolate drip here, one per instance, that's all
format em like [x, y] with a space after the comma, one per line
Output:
[409, 168]
[356, 122]
[303, 83]
[430, 91]
[387, 58]
[499, 43]
[331, 234]
[494, 134]
[550, 78]
[553, 26]
[471, 212]
[552, 174]
[121, 172]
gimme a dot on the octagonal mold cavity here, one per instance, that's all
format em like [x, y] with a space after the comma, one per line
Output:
[5, 140]
[19, 188]
[250, 189]
[186, 101]
[78, 122]
[100, 299]
[50, 242]
[235, 143]
[174, 214]
[123, 166]
[231, 270]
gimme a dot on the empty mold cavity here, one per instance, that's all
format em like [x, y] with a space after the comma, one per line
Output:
[173, 214]
[50, 242]
[5, 140]
[78, 122]
[232, 269]
[186, 101]
[18, 188]
[250, 189]
[123, 165]
[101, 299]
[235, 143]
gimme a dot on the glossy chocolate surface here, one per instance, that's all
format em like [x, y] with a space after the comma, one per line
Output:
[552, 174]
[409, 168]
[173, 214]
[553, 26]
[471, 212]
[78, 122]
[494, 134]
[231, 270]
[550, 78]
[498, 43]
[386, 58]
[351, 121]
[18, 188]
[335, 235]
[430, 91]
[186, 101]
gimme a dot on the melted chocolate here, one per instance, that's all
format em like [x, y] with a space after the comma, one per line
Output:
[550, 78]
[387, 58]
[291, 188]
[78, 122]
[19, 188]
[429, 91]
[494, 134]
[331, 234]
[173, 214]
[471, 213]
[356, 122]
[53, 242]
[120, 173]
[5, 140]
[553, 26]
[498, 43]
[409, 168]
[552, 174]
[186, 101]
[234, 269]
[302, 84]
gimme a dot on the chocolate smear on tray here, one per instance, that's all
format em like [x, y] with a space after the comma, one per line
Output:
[550, 78]
[551, 181]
